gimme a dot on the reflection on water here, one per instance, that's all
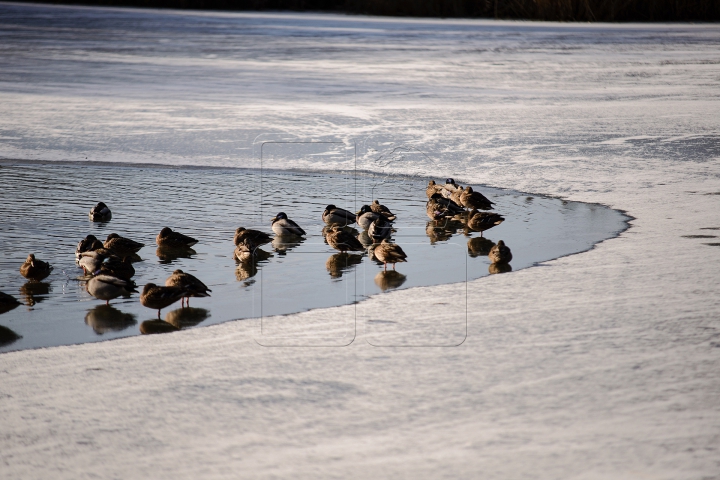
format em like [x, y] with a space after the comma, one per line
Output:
[149, 327]
[390, 279]
[499, 268]
[7, 336]
[106, 318]
[340, 263]
[187, 317]
[8, 302]
[168, 255]
[35, 292]
[298, 274]
[479, 247]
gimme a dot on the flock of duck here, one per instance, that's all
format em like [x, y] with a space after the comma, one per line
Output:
[108, 265]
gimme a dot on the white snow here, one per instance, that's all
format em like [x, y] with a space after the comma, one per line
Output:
[598, 365]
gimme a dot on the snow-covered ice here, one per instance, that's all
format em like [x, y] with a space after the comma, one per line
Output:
[597, 365]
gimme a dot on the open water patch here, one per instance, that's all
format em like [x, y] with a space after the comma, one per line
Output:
[44, 211]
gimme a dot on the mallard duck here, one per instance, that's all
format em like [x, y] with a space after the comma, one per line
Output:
[338, 263]
[481, 221]
[449, 188]
[91, 262]
[438, 207]
[8, 302]
[87, 244]
[118, 268]
[365, 216]
[107, 287]
[337, 216]
[341, 240]
[379, 229]
[500, 253]
[100, 213]
[432, 188]
[283, 226]
[256, 236]
[35, 269]
[150, 327]
[471, 199]
[190, 283]
[106, 318]
[122, 245]
[388, 252]
[157, 298]
[389, 280]
[376, 207]
[170, 239]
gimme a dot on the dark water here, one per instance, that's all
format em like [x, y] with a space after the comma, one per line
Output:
[43, 209]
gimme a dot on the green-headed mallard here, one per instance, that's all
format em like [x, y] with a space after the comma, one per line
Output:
[118, 268]
[100, 213]
[500, 253]
[87, 244]
[341, 240]
[107, 287]
[481, 221]
[471, 199]
[157, 298]
[35, 269]
[190, 283]
[337, 216]
[122, 245]
[8, 302]
[432, 188]
[283, 226]
[388, 252]
[365, 216]
[379, 229]
[376, 207]
[256, 236]
[168, 238]
[449, 188]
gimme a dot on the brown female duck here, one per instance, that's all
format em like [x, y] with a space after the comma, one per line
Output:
[341, 240]
[100, 213]
[471, 199]
[500, 253]
[122, 245]
[481, 221]
[169, 239]
[388, 252]
[256, 236]
[190, 283]
[157, 298]
[35, 269]
[376, 207]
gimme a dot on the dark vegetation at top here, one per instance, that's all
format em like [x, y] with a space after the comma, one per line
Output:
[561, 10]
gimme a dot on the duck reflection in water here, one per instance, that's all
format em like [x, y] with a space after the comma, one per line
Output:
[340, 263]
[168, 255]
[7, 336]
[187, 317]
[284, 243]
[499, 268]
[246, 269]
[8, 302]
[34, 292]
[479, 247]
[387, 280]
[106, 318]
[149, 327]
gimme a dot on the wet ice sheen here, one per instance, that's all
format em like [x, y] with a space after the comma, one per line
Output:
[44, 210]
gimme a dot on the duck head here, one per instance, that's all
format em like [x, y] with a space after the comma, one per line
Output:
[165, 231]
[450, 181]
[178, 272]
[148, 287]
[500, 243]
[364, 209]
[31, 259]
[282, 216]
[111, 236]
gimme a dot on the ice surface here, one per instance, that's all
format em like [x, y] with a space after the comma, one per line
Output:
[598, 365]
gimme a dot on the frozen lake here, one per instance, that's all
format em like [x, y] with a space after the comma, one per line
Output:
[597, 365]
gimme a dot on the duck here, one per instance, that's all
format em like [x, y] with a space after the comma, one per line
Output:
[257, 237]
[122, 245]
[471, 199]
[87, 244]
[107, 287]
[341, 240]
[449, 188]
[376, 207]
[190, 283]
[35, 269]
[438, 207]
[8, 302]
[337, 216]
[100, 213]
[379, 229]
[500, 253]
[91, 262]
[388, 252]
[157, 298]
[116, 267]
[432, 188]
[283, 226]
[365, 216]
[168, 238]
[481, 221]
